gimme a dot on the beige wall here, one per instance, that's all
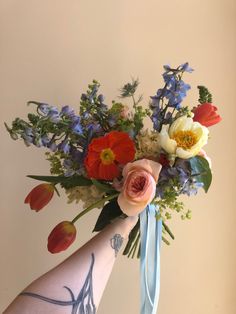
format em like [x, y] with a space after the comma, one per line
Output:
[50, 51]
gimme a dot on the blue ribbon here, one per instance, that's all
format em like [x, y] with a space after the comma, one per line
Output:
[151, 233]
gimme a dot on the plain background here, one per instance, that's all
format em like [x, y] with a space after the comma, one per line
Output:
[49, 51]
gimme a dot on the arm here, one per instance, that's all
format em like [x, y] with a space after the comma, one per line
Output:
[77, 284]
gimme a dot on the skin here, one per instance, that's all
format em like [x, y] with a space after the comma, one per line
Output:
[79, 281]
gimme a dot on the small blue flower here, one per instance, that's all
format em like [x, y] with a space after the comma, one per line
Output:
[64, 147]
[52, 146]
[167, 67]
[45, 140]
[68, 165]
[28, 136]
[76, 126]
[186, 68]
[101, 98]
[54, 115]
[44, 108]
[67, 111]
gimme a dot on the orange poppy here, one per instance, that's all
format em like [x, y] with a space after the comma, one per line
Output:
[106, 153]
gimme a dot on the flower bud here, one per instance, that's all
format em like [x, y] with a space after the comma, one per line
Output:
[40, 196]
[206, 114]
[61, 237]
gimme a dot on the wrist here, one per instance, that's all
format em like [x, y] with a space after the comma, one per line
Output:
[123, 226]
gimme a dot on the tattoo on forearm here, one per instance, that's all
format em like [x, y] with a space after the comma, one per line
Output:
[84, 304]
[116, 243]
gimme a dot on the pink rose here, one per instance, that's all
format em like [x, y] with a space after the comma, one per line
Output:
[139, 188]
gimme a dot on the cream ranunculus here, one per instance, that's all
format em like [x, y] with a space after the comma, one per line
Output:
[184, 138]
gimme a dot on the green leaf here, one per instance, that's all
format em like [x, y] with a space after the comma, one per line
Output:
[109, 212]
[66, 182]
[201, 171]
[103, 186]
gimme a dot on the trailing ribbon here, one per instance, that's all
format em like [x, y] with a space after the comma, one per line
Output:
[151, 233]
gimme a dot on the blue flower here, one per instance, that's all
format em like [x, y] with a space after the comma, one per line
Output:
[64, 147]
[54, 115]
[186, 68]
[45, 140]
[52, 146]
[44, 108]
[67, 111]
[101, 98]
[68, 165]
[76, 126]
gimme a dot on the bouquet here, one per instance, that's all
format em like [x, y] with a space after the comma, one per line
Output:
[104, 157]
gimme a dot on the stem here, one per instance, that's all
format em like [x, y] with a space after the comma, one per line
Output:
[55, 188]
[134, 101]
[134, 246]
[99, 202]
[132, 237]
[167, 229]
[165, 241]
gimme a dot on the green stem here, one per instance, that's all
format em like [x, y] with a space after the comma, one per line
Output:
[98, 203]
[55, 188]
[167, 229]
[166, 241]
[134, 246]
[135, 105]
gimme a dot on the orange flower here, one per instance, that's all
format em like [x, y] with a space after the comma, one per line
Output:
[206, 114]
[40, 196]
[61, 237]
[106, 153]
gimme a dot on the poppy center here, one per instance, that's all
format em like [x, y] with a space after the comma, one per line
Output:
[185, 139]
[107, 156]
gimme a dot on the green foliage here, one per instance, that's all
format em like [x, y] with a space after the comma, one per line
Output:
[139, 115]
[201, 171]
[204, 95]
[109, 212]
[66, 182]
[92, 110]
[129, 89]
[55, 162]
[103, 186]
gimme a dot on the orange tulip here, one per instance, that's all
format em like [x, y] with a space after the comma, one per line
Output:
[206, 114]
[40, 196]
[61, 237]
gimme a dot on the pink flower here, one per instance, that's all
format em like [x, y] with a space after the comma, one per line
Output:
[139, 188]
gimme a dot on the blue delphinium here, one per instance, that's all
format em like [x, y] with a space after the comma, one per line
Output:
[178, 178]
[170, 96]
[64, 146]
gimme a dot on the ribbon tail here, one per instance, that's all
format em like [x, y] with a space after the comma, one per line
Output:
[151, 233]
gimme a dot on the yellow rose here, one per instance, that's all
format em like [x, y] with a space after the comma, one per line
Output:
[184, 138]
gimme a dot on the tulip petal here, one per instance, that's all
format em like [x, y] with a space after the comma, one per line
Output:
[40, 196]
[61, 237]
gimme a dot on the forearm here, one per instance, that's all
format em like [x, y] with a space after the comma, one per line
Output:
[77, 283]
